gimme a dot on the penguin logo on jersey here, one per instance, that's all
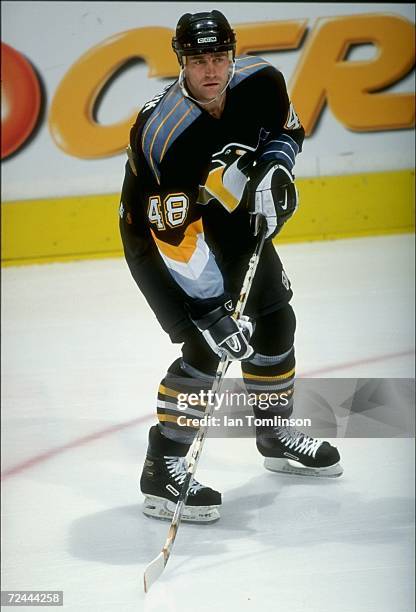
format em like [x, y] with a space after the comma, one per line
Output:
[226, 181]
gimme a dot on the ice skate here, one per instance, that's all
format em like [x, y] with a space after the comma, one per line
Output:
[290, 451]
[161, 482]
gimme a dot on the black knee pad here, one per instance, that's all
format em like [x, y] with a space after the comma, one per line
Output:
[198, 355]
[275, 332]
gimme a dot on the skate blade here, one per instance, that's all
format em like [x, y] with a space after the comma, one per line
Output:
[284, 466]
[161, 508]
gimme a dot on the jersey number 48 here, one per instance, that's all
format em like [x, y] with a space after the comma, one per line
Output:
[172, 211]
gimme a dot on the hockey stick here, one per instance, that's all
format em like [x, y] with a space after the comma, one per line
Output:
[156, 567]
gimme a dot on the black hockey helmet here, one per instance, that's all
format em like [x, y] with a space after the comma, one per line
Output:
[203, 33]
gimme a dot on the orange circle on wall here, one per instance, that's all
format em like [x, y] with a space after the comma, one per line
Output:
[21, 99]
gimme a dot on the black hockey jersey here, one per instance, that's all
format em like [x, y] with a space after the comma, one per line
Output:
[190, 190]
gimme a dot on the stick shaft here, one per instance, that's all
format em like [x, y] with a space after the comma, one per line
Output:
[219, 376]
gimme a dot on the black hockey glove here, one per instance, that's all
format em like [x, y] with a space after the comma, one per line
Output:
[271, 192]
[223, 333]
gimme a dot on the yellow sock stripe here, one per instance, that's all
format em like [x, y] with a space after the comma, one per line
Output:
[170, 392]
[173, 393]
[267, 378]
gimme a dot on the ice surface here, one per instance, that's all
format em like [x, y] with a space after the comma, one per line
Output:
[82, 357]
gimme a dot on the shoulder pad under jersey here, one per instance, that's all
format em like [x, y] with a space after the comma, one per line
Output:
[172, 114]
[246, 66]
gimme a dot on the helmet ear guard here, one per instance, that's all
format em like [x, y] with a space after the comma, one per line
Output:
[207, 32]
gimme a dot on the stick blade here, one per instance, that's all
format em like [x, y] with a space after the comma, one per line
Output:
[153, 571]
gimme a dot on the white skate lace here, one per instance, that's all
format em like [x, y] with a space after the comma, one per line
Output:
[177, 467]
[298, 441]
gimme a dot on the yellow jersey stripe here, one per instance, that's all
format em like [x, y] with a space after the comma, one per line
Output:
[173, 130]
[245, 68]
[184, 250]
[162, 123]
[152, 119]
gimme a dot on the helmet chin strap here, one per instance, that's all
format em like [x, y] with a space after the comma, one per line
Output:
[181, 82]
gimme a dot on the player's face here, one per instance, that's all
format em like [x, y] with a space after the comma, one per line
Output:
[207, 74]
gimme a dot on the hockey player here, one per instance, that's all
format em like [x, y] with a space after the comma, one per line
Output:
[211, 152]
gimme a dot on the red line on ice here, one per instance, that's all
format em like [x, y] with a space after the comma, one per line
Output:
[352, 364]
[53, 452]
[49, 454]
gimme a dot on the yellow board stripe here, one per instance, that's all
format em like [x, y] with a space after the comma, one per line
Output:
[86, 227]
[351, 206]
[266, 378]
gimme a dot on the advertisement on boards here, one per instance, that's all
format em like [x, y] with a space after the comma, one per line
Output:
[75, 75]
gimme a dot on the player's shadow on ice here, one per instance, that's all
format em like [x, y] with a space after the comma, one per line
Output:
[124, 535]
[291, 513]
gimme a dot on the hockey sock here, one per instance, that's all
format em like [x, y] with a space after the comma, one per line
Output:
[181, 401]
[270, 378]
